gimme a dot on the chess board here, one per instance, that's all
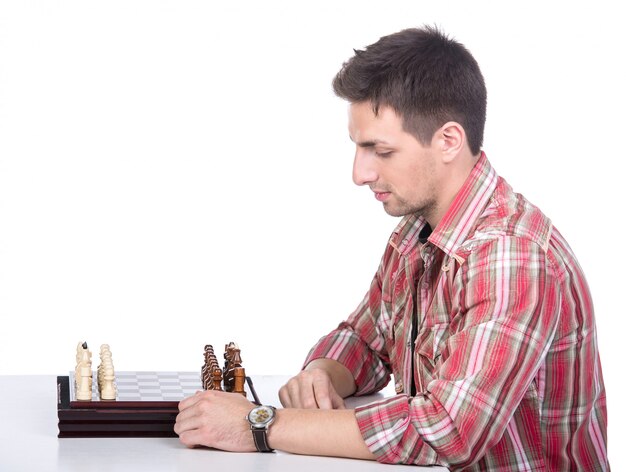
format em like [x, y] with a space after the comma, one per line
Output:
[146, 405]
[148, 386]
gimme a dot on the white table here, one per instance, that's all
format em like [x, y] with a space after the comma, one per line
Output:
[28, 441]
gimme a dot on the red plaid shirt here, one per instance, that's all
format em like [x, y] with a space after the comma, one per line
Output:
[505, 362]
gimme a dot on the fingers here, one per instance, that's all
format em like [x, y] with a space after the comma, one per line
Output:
[193, 416]
[322, 388]
[285, 396]
[338, 402]
[191, 438]
[191, 400]
[190, 416]
[310, 389]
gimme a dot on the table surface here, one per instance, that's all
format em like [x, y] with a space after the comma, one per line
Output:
[28, 440]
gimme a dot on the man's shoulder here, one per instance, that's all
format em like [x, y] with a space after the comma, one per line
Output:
[510, 215]
[514, 224]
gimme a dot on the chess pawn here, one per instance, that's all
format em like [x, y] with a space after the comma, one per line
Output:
[105, 355]
[209, 354]
[107, 388]
[204, 376]
[106, 374]
[213, 366]
[210, 361]
[207, 382]
[217, 379]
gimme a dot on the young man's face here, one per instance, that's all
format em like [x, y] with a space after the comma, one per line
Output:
[401, 172]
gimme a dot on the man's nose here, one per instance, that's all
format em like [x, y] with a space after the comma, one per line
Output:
[364, 170]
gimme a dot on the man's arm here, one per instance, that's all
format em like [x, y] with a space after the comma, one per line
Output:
[319, 432]
[217, 419]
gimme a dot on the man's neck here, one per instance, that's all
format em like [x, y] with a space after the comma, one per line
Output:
[455, 179]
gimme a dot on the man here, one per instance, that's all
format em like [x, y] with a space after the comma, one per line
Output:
[479, 309]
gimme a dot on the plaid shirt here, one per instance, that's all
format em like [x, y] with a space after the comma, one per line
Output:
[504, 362]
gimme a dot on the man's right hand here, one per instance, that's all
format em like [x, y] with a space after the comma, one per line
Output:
[323, 384]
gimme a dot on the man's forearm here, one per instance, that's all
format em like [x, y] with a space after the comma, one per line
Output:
[318, 432]
[340, 376]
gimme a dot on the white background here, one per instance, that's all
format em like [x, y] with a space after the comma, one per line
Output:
[176, 173]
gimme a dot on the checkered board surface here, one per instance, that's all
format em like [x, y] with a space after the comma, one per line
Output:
[148, 386]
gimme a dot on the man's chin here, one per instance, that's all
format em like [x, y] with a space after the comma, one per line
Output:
[393, 211]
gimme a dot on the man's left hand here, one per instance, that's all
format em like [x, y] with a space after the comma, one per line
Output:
[215, 419]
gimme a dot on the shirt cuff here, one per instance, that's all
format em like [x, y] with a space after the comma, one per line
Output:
[383, 425]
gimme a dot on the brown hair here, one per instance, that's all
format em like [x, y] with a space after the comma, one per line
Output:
[425, 77]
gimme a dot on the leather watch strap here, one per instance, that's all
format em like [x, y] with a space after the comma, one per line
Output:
[260, 440]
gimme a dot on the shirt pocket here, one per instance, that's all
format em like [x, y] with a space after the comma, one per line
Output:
[398, 340]
[429, 345]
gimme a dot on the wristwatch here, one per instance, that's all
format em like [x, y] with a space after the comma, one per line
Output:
[260, 419]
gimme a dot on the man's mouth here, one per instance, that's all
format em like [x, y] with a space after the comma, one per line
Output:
[381, 196]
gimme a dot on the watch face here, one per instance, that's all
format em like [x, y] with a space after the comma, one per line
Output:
[261, 416]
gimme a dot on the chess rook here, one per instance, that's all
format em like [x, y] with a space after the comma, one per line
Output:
[240, 380]
[217, 378]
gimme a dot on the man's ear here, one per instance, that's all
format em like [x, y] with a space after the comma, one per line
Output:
[450, 139]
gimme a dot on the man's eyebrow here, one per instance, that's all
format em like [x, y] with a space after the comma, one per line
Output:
[369, 143]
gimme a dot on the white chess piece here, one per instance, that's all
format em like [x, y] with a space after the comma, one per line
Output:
[106, 374]
[83, 374]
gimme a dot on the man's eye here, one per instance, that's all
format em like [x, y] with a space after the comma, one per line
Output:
[384, 154]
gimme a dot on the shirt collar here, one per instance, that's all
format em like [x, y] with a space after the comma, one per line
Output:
[466, 207]
[460, 217]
